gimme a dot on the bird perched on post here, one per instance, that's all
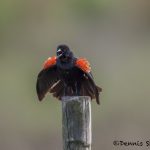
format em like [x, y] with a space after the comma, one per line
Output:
[66, 75]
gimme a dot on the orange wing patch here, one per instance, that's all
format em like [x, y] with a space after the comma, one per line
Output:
[83, 64]
[50, 62]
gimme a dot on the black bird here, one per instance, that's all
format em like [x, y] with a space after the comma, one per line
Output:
[66, 75]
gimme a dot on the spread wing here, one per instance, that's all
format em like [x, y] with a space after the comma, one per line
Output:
[88, 86]
[46, 78]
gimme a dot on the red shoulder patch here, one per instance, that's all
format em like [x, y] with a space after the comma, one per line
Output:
[83, 64]
[50, 62]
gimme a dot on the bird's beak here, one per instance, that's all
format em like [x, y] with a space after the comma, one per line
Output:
[59, 55]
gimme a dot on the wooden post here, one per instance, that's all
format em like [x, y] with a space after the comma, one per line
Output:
[76, 122]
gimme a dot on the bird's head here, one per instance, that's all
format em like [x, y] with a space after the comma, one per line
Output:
[64, 53]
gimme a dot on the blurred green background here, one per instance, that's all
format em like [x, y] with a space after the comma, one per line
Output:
[113, 35]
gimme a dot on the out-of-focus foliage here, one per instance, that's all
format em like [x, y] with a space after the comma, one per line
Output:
[113, 35]
[87, 9]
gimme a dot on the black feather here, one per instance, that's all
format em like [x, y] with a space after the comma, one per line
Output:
[46, 78]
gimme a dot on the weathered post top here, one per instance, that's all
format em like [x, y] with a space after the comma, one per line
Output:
[76, 122]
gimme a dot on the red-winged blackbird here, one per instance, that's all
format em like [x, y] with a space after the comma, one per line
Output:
[66, 75]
